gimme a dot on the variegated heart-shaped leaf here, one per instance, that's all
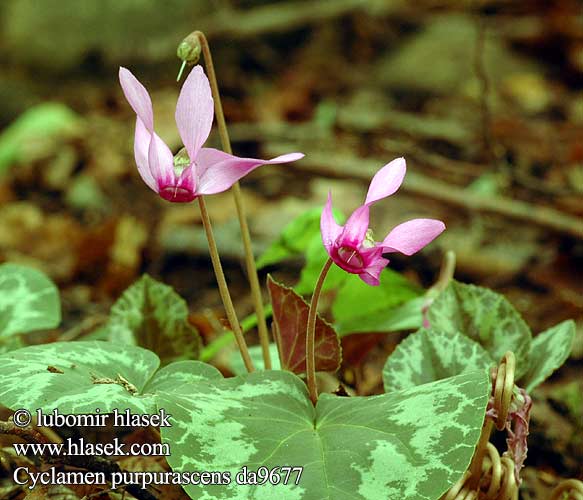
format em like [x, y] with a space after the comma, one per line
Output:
[152, 315]
[429, 355]
[484, 316]
[548, 352]
[411, 445]
[79, 377]
[29, 300]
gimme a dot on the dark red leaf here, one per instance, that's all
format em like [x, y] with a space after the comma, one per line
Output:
[290, 320]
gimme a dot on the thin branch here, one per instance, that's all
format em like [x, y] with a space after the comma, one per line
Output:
[26, 433]
[279, 17]
[340, 165]
[482, 75]
[336, 165]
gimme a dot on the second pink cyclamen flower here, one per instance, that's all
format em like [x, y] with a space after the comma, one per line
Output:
[351, 246]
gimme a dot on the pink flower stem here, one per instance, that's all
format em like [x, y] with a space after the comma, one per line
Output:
[248, 249]
[223, 288]
[311, 334]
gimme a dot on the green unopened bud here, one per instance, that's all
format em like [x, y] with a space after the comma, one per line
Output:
[181, 161]
[189, 49]
[188, 52]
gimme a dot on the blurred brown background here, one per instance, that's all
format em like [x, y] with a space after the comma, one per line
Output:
[484, 100]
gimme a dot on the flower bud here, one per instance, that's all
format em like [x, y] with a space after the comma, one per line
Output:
[189, 49]
[188, 52]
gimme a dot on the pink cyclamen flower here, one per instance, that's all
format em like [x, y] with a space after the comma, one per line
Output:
[352, 247]
[206, 170]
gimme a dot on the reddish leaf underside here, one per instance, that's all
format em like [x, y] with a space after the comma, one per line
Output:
[290, 321]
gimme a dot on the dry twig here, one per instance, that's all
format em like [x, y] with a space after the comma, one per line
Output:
[337, 165]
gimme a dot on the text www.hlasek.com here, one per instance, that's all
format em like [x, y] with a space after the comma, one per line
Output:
[83, 448]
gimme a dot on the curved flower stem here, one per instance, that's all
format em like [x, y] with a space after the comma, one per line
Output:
[475, 468]
[572, 487]
[446, 272]
[311, 334]
[223, 288]
[249, 258]
[503, 385]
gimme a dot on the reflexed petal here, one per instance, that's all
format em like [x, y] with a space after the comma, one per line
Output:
[355, 228]
[287, 158]
[194, 111]
[207, 157]
[141, 145]
[412, 236]
[138, 97]
[370, 274]
[161, 162]
[210, 156]
[386, 181]
[218, 177]
[329, 228]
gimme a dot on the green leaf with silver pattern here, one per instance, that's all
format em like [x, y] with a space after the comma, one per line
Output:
[412, 444]
[79, 377]
[429, 355]
[549, 350]
[484, 316]
[29, 300]
[152, 315]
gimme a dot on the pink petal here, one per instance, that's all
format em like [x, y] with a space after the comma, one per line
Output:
[209, 156]
[328, 227]
[138, 97]
[287, 158]
[386, 181]
[141, 153]
[194, 111]
[187, 179]
[218, 171]
[412, 236]
[161, 162]
[141, 145]
[371, 273]
[355, 228]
